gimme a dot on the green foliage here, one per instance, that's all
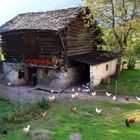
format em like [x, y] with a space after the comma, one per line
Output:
[118, 20]
[131, 63]
[44, 103]
[10, 117]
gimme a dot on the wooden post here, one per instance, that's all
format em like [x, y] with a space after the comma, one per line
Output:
[91, 83]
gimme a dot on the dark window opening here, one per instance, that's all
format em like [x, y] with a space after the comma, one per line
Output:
[45, 73]
[20, 74]
[32, 73]
[106, 67]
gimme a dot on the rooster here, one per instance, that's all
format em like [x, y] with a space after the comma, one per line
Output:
[4, 132]
[138, 98]
[127, 123]
[26, 129]
[108, 94]
[98, 110]
[74, 109]
[43, 114]
[132, 120]
[126, 98]
[93, 93]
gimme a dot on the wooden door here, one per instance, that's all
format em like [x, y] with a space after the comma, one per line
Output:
[32, 74]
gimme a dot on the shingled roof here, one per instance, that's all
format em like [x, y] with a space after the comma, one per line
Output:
[50, 20]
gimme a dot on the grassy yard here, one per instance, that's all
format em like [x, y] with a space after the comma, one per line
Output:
[109, 125]
[128, 84]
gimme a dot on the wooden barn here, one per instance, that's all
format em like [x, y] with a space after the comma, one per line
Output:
[52, 48]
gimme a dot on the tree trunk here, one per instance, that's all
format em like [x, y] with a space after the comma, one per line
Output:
[118, 67]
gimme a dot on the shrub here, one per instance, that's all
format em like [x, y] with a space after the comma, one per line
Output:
[131, 63]
[44, 103]
[10, 117]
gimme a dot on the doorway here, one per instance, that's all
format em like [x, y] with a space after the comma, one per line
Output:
[85, 77]
[32, 76]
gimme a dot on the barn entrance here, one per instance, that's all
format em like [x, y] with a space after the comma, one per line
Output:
[85, 73]
[32, 76]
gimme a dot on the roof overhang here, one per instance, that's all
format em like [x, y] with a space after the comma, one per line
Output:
[94, 58]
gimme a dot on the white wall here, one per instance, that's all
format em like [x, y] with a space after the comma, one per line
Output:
[98, 72]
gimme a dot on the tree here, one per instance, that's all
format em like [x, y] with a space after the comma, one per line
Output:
[117, 15]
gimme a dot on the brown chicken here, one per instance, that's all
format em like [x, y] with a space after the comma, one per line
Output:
[132, 120]
[74, 109]
[43, 114]
[126, 98]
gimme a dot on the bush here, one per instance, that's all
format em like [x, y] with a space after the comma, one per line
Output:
[44, 103]
[131, 63]
[10, 117]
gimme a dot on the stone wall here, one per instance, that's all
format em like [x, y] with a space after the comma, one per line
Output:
[11, 71]
[59, 78]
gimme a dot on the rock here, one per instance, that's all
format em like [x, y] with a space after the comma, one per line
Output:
[76, 136]
[117, 109]
[45, 134]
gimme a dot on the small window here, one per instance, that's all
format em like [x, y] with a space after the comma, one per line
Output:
[106, 67]
[21, 74]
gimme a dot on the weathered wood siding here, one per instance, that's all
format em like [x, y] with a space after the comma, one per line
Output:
[31, 45]
[13, 46]
[79, 39]
[49, 44]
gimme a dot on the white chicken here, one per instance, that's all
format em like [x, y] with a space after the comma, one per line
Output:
[26, 129]
[52, 91]
[85, 90]
[75, 95]
[98, 110]
[85, 86]
[108, 94]
[138, 98]
[79, 89]
[114, 98]
[93, 93]
[73, 89]
[9, 83]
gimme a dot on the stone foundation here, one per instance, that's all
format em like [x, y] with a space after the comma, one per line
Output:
[59, 78]
[12, 71]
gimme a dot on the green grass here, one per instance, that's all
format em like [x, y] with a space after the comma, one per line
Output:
[128, 84]
[138, 60]
[109, 125]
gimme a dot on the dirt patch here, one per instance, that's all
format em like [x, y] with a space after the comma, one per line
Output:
[28, 93]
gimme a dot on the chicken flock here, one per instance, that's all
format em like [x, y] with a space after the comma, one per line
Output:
[74, 109]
